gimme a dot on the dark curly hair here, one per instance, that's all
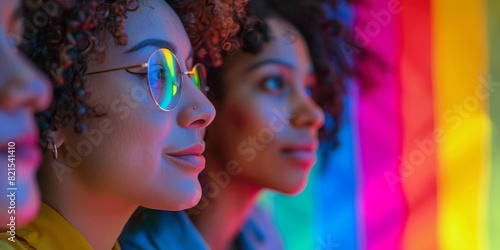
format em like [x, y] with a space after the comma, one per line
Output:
[74, 35]
[213, 26]
[323, 35]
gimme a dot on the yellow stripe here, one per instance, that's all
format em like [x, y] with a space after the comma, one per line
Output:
[460, 58]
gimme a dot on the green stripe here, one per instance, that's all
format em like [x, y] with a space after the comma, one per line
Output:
[493, 10]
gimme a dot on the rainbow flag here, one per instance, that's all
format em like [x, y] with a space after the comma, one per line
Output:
[419, 164]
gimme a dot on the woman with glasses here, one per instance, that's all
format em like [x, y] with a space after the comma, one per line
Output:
[271, 98]
[23, 91]
[126, 125]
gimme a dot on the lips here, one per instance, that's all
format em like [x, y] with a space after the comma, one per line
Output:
[190, 157]
[26, 151]
[303, 155]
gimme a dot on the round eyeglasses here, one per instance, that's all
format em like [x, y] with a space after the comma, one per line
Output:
[165, 78]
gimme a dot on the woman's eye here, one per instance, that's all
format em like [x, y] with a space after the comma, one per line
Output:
[309, 91]
[274, 84]
[157, 77]
[311, 87]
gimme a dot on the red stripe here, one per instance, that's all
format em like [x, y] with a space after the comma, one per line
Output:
[419, 147]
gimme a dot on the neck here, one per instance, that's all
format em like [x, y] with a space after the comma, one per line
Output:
[100, 218]
[229, 210]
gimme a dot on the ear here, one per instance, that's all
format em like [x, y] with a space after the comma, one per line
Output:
[54, 138]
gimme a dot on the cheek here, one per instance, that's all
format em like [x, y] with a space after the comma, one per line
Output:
[131, 115]
[236, 116]
[129, 131]
[115, 158]
[247, 115]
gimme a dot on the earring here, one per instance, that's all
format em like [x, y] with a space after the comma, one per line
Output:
[54, 150]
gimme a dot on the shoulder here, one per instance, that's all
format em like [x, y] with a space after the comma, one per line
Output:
[8, 242]
[260, 231]
[161, 230]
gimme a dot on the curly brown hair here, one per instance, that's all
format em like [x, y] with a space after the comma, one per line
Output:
[323, 35]
[74, 35]
[213, 26]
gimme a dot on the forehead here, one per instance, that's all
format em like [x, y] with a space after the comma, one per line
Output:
[155, 19]
[286, 43]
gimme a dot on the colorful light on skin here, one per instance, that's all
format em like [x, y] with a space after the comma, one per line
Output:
[259, 92]
[149, 157]
[23, 91]
[266, 127]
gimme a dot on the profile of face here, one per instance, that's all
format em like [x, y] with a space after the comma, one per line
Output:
[267, 123]
[136, 152]
[23, 91]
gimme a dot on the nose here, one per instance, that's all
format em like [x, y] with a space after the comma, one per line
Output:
[21, 84]
[306, 113]
[196, 111]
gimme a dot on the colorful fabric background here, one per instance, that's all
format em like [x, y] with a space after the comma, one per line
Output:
[419, 164]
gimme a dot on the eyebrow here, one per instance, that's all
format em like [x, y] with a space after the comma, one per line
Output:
[157, 43]
[275, 61]
[268, 61]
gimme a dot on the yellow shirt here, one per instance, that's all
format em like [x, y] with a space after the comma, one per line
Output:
[48, 231]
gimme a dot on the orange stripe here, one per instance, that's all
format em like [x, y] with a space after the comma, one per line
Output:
[459, 59]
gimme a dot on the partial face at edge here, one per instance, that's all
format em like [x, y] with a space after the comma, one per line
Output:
[268, 122]
[23, 91]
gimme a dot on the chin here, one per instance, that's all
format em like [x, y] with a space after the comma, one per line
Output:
[187, 197]
[291, 187]
[189, 203]
[294, 182]
[27, 213]
[27, 203]
[292, 190]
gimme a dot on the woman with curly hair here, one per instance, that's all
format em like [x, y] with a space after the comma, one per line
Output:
[126, 125]
[271, 97]
[23, 91]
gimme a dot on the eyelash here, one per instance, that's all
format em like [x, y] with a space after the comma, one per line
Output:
[142, 75]
[309, 88]
[266, 88]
